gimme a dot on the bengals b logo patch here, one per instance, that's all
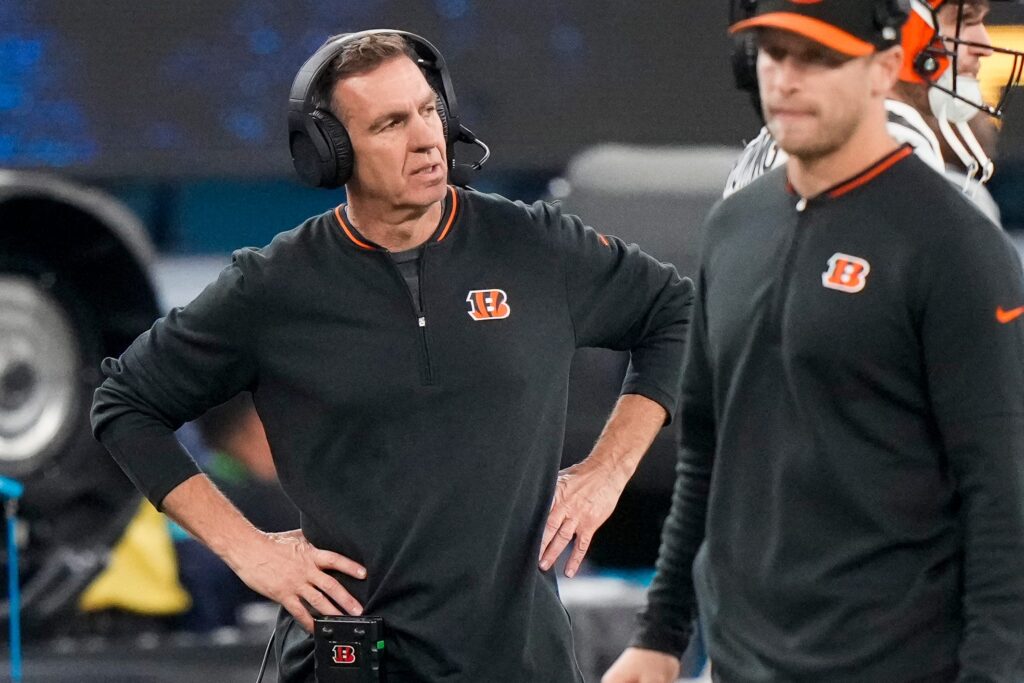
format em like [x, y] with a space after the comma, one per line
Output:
[488, 304]
[846, 273]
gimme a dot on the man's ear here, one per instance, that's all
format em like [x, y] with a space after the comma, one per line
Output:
[885, 70]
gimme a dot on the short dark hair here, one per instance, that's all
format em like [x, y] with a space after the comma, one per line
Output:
[359, 56]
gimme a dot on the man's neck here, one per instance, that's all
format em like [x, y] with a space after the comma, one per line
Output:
[869, 143]
[394, 228]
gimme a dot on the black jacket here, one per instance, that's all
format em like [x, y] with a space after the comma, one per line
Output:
[852, 465]
[422, 445]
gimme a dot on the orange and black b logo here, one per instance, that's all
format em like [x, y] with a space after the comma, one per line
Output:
[488, 304]
[846, 273]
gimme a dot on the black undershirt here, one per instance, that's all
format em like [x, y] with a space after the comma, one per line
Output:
[408, 263]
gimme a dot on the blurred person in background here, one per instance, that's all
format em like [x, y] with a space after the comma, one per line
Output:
[954, 134]
[849, 504]
[408, 355]
[240, 464]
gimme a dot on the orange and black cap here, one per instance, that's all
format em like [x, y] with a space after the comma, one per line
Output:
[856, 28]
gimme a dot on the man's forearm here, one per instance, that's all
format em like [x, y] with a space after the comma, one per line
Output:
[281, 566]
[665, 623]
[629, 432]
[202, 510]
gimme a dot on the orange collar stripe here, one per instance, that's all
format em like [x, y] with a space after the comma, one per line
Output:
[873, 172]
[351, 235]
[350, 232]
[451, 216]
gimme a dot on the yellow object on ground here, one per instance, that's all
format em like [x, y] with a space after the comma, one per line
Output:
[142, 576]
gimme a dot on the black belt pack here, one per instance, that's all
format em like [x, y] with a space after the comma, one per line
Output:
[349, 649]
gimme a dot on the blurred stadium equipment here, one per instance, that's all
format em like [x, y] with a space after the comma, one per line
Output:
[74, 287]
[656, 197]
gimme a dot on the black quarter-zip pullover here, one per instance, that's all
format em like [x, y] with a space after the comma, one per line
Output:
[421, 441]
[852, 464]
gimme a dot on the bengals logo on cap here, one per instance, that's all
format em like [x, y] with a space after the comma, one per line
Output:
[846, 273]
[488, 304]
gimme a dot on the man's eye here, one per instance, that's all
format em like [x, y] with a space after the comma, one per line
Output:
[829, 61]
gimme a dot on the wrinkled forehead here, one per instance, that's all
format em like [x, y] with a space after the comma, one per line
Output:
[386, 86]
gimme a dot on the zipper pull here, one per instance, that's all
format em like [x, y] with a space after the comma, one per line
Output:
[422, 321]
[801, 205]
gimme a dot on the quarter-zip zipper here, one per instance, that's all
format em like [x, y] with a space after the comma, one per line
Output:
[777, 311]
[426, 371]
[422, 320]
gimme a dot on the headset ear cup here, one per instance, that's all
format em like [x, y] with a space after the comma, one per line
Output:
[449, 127]
[442, 113]
[338, 168]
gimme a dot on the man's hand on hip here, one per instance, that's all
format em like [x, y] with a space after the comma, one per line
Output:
[586, 493]
[284, 567]
[289, 570]
[637, 665]
[585, 496]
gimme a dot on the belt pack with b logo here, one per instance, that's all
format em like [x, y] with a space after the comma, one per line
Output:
[349, 649]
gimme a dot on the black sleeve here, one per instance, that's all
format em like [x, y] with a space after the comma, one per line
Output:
[665, 624]
[621, 298]
[195, 358]
[973, 348]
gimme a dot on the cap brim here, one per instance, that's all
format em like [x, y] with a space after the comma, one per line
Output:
[809, 27]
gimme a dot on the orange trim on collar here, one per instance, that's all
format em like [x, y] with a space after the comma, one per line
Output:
[351, 232]
[348, 231]
[451, 215]
[871, 173]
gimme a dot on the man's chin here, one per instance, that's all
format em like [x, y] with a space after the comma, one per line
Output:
[802, 147]
[436, 190]
[427, 194]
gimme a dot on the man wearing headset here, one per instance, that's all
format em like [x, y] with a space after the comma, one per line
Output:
[850, 498]
[944, 44]
[408, 353]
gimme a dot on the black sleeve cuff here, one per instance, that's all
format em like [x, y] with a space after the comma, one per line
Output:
[649, 390]
[151, 456]
[652, 635]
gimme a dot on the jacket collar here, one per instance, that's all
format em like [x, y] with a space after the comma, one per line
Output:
[863, 177]
[444, 226]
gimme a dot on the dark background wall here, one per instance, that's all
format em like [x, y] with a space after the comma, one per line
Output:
[178, 107]
[198, 87]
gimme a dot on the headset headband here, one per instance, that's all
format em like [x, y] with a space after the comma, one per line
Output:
[304, 86]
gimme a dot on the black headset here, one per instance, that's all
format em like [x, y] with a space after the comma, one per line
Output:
[744, 53]
[319, 144]
[890, 15]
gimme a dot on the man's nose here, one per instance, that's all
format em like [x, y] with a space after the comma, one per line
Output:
[784, 75]
[978, 34]
[425, 134]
